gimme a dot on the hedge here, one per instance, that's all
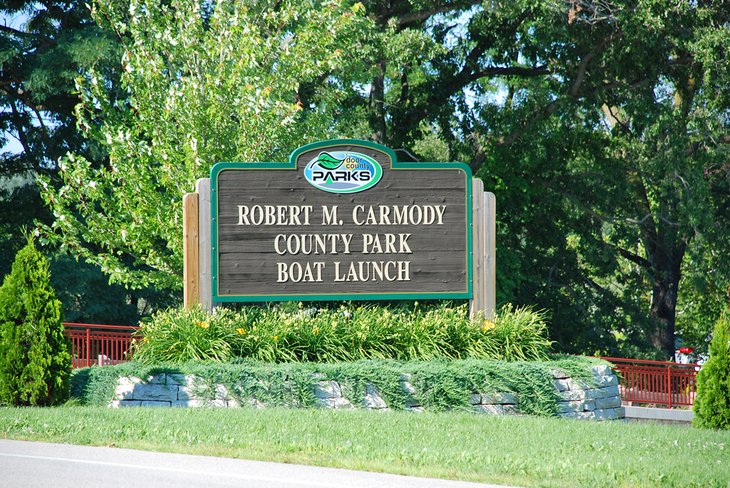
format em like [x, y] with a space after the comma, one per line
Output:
[440, 385]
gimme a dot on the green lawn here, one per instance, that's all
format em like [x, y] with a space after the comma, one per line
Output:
[526, 451]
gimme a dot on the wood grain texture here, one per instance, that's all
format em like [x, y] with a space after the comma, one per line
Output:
[191, 291]
[437, 254]
[490, 202]
[202, 187]
[477, 303]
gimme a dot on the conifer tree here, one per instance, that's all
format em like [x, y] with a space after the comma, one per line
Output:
[35, 362]
[712, 405]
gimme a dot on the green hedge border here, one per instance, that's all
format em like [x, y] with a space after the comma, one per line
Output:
[440, 385]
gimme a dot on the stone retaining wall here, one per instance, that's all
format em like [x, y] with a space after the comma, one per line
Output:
[596, 400]
[600, 401]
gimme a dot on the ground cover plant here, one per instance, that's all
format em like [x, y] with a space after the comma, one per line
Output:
[523, 451]
[438, 385]
[293, 332]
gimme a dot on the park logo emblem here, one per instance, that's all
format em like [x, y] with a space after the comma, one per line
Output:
[343, 172]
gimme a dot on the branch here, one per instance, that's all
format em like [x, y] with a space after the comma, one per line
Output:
[551, 107]
[18, 33]
[591, 12]
[471, 72]
[512, 70]
[648, 232]
[583, 65]
[18, 125]
[634, 258]
[409, 18]
[539, 114]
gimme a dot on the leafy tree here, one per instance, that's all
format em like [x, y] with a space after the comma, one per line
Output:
[35, 363]
[87, 296]
[712, 405]
[205, 83]
[44, 46]
[601, 127]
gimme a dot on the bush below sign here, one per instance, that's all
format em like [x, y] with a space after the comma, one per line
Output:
[580, 388]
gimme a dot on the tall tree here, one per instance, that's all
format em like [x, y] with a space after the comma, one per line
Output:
[35, 362]
[205, 82]
[601, 127]
[45, 44]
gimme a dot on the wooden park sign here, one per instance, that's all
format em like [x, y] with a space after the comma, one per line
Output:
[341, 220]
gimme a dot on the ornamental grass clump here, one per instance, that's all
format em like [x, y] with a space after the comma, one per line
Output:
[286, 333]
[179, 335]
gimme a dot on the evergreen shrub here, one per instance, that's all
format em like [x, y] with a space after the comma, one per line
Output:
[293, 333]
[35, 362]
[712, 405]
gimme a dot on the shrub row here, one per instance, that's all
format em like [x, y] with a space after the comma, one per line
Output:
[440, 385]
[291, 333]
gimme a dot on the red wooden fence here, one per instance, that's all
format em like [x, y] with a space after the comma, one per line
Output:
[97, 344]
[656, 382]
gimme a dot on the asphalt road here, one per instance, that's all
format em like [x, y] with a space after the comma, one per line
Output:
[39, 464]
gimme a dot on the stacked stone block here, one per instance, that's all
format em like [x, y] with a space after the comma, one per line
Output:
[504, 403]
[170, 390]
[597, 399]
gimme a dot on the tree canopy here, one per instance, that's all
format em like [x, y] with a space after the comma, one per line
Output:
[601, 126]
[44, 46]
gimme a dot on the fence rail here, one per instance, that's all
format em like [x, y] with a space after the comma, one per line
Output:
[98, 344]
[656, 382]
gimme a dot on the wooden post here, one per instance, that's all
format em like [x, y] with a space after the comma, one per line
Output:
[191, 292]
[490, 248]
[202, 186]
[88, 347]
[484, 298]
[476, 305]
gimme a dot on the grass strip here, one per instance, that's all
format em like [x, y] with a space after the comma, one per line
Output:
[525, 451]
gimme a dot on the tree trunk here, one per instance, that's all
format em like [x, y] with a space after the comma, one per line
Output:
[663, 311]
[665, 246]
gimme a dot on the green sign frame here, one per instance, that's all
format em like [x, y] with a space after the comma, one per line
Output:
[291, 165]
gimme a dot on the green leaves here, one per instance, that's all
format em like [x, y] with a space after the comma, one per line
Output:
[712, 405]
[281, 334]
[35, 362]
[201, 85]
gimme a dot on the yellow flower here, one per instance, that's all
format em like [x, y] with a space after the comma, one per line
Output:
[276, 338]
[241, 330]
[203, 325]
[488, 325]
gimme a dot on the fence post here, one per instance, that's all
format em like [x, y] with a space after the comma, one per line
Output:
[88, 347]
[669, 385]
